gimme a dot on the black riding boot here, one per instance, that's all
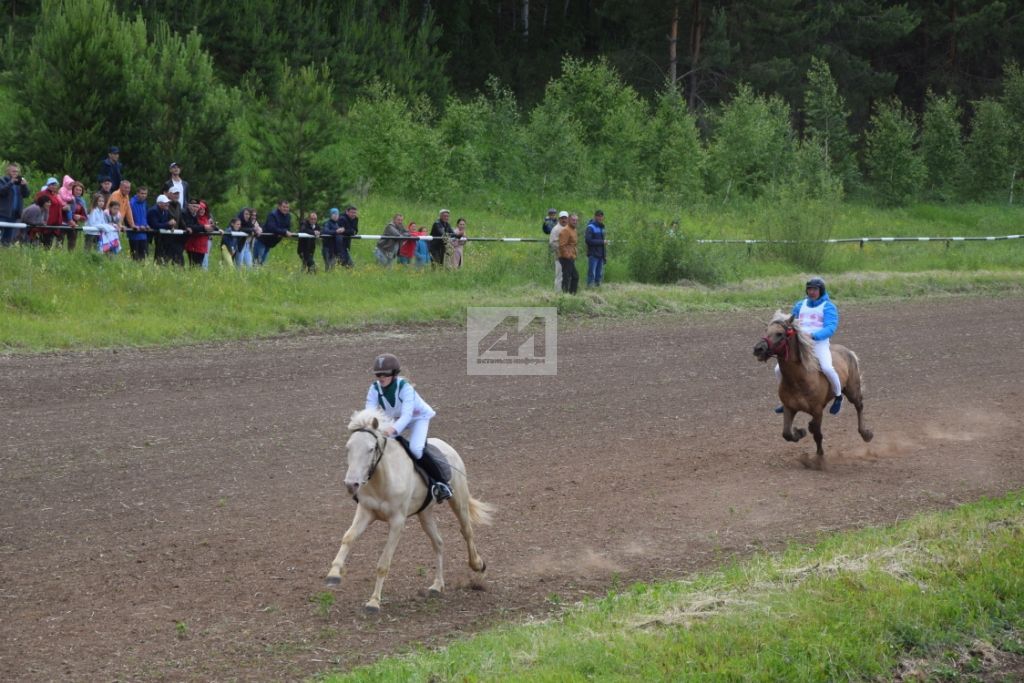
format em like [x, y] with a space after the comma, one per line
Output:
[439, 488]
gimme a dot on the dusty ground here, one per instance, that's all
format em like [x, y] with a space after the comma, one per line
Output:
[170, 514]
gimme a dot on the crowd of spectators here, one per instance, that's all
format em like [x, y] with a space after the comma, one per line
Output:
[179, 227]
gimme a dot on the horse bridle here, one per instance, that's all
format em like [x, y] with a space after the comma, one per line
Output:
[378, 449]
[780, 350]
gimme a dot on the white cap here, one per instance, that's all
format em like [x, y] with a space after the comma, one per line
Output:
[563, 214]
[162, 198]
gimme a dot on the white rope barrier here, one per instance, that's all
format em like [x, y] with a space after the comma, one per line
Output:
[91, 230]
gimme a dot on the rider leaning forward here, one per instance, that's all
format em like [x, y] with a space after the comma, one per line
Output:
[396, 398]
[819, 318]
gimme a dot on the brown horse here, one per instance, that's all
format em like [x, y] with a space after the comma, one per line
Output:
[803, 387]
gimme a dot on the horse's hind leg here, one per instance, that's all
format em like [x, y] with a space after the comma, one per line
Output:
[355, 530]
[788, 433]
[429, 524]
[855, 395]
[395, 527]
[460, 506]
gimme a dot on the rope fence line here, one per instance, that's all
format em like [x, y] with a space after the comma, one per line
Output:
[90, 230]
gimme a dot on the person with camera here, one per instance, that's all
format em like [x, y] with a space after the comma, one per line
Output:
[13, 192]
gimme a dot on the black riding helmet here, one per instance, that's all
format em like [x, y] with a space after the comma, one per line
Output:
[816, 282]
[386, 363]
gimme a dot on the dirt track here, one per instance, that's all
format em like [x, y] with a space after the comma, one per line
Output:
[202, 486]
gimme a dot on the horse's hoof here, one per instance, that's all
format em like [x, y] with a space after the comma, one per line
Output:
[333, 580]
[867, 435]
[371, 610]
[806, 462]
[433, 593]
[483, 567]
[799, 434]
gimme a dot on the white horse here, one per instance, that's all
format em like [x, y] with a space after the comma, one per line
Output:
[382, 477]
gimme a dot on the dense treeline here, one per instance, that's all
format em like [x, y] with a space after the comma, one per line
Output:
[317, 97]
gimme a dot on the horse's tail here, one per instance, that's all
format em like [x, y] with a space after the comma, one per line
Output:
[480, 512]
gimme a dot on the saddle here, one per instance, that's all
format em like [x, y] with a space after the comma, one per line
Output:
[433, 466]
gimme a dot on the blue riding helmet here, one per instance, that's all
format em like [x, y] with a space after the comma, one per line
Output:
[816, 282]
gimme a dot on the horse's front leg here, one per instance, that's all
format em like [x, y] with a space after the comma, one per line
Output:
[359, 524]
[815, 426]
[395, 526]
[429, 523]
[788, 433]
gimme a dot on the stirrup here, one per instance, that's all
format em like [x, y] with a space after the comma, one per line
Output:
[836, 405]
[779, 410]
[440, 491]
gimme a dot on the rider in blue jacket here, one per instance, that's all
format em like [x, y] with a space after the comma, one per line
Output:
[819, 318]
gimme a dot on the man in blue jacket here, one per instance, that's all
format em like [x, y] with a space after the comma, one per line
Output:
[13, 191]
[596, 256]
[277, 226]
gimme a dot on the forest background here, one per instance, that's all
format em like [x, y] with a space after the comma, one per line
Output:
[683, 102]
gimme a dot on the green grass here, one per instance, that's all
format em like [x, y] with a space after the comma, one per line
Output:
[56, 300]
[852, 608]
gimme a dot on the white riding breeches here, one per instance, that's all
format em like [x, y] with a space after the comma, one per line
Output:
[823, 352]
[417, 431]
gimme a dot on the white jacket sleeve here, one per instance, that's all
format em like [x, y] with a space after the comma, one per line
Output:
[407, 399]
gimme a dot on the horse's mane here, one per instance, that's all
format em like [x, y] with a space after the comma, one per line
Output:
[363, 419]
[807, 357]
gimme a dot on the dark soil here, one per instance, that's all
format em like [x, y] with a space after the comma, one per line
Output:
[171, 514]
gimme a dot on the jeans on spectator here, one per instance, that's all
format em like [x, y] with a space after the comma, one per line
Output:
[404, 260]
[329, 251]
[382, 258]
[570, 276]
[595, 271]
[243, 257]
[345, 258]
[260, 252]
[558, 275]
[10, 235]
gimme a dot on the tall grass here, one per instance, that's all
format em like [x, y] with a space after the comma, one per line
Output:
[55, 300]
[853, 608]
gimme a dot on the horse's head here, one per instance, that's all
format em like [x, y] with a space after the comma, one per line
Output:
[365, 447]
[775, 341]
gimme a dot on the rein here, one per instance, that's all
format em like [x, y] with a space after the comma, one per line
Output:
[379, 450]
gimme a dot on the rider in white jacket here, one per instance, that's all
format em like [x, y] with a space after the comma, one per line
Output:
[398, 399]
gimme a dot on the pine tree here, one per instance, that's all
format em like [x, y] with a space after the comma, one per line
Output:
[825, 117]
[942, 145]
[297, 141]
[894, 163]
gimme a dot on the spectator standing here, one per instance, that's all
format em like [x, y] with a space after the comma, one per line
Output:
[458, 242]
[55, 215]
[231, 245]
[251, 227]
[107, 238]
[439, 231]
[138, 241]
[329, 245]
[111, 167]
[174, 182]
[13, 192]
[123, 196]
[159, 218]
[388, 246]
[277, 226]
[198, 227]
[567, 239]
[79, 216]
[550, 222]
[596, 256]
[348, 227]
[106, 187]
[421, 250]
[307, 245]
[407, 248]
[563, 220]
[36, 213]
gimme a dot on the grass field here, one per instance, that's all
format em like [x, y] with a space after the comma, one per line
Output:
[940, 597]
